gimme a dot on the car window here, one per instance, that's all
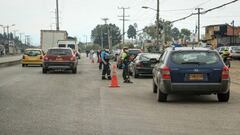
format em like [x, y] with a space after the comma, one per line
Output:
[72, 46]
[134, 52]
[32, 52]
[147, 57]
[194, 57]
[59, 52]
[162, 57]
[62, 45]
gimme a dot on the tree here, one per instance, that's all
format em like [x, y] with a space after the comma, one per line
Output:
[185, 33]
[132, 32]
[175, 33]
[101, 32]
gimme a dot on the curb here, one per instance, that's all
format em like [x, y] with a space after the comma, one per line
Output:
[10, 63]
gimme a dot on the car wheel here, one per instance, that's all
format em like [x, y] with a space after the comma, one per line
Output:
[23, 65]
[74, 70]
[135, 75]
[44, 70]
[161, 97]
[154, 87]
[223, 97]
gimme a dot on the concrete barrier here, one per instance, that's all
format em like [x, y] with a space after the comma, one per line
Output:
[10, 63]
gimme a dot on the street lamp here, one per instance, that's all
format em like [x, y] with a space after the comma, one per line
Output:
[157, 21]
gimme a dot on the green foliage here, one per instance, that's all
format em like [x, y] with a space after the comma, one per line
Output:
[132, 32]
[185, 33]
[100, 31]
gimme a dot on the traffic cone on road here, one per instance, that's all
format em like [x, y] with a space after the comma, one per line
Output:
[114, 80]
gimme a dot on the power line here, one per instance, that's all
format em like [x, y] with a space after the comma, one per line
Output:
[204, 12]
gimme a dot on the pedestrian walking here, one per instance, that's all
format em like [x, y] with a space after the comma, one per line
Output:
[106, 65]
[99, 59]
[126, 61]
[91, 55]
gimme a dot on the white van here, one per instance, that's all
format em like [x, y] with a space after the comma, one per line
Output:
[69, 44]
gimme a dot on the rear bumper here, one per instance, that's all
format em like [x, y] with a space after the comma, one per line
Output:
[59, 65]
[194, 88]
[32, 62]
[144, 71]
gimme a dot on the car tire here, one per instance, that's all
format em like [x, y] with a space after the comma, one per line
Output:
[134, 74]
[41, 65]
[223, 97]
[44, 70]
[74, 70]
[161, 97]
[23, 65]
[154, 87]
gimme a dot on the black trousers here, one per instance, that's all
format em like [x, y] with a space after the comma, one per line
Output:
[100, 65]
[106, 70]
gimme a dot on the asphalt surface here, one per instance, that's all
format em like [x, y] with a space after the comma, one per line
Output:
[32, 103]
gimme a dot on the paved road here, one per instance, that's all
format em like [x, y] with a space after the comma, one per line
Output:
[67, 104]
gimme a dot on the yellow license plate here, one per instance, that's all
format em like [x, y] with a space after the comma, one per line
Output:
[195, 77]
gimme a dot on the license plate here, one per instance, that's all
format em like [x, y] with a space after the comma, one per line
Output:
[59, 59]
[195, 77]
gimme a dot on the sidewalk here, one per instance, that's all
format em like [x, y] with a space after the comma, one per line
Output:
[235, 71]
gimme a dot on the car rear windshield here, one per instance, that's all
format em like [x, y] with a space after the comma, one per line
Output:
[59, 52]
[134, 52]
[32, 52]
[194, 57]
[147, 57]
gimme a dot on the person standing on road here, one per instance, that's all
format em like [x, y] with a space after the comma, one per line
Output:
[91, 55]
[126, 61]
[99, 59]
[106, 65]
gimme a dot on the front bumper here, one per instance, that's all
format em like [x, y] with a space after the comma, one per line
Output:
[194, 88]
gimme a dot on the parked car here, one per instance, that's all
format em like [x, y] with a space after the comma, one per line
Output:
[221, 49]
[234, 52]
[143, 64]
[60, 59]
[186, 70]
[132, 52]
[32, 56]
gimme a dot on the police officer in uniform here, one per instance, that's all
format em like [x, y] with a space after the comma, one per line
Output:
[106, 65]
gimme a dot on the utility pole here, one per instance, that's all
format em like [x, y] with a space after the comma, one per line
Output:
[233, 38]
[108, 32]
[124, 19]
[57, 16]
[199, 12]
[157, 24]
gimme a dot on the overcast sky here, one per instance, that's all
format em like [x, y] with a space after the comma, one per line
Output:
[79, 17]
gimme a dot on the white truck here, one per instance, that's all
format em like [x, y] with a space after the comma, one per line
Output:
[50, 38]
[68, 43]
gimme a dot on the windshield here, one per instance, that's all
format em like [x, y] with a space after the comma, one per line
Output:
[32, 52]
[62, 45]
[59, 52]
[134, 52]
[72, 46]
[194, 57]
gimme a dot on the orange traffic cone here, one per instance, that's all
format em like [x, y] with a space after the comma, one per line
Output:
[114, 80]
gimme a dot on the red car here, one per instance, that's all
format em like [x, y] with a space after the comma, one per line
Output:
[60, 59]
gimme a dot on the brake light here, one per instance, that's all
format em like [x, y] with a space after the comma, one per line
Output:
[73, 58]
[165, 71]
[225, 73]
[140, 64]
[45, 58]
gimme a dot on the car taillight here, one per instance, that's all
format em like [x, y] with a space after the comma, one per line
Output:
[165, 71]
[73, 58]
[45, 58]
[23, 57]
[140, 64]
[225, 73]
